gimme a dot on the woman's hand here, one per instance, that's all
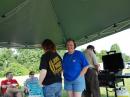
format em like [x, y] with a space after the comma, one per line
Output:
[97, 67]
[42, 75]
[84, 70]
[40, 84]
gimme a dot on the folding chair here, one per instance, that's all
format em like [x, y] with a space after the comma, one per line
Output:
[34, 89]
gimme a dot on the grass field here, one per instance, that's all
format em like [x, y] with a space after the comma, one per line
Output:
[111, 94]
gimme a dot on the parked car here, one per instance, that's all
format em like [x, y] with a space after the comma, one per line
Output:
[127, 65]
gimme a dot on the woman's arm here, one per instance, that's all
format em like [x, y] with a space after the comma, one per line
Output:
[84, 70]
[97, 67]
[42, 75]
[95, 62]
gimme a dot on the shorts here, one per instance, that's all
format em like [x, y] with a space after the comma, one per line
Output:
[53, 90]
[78, 85]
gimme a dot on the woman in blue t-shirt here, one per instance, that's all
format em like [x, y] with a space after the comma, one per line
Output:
[74, 67]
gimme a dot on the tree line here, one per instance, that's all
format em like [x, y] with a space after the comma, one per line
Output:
[21, 61]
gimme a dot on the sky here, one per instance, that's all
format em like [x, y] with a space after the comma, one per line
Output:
[121, 38]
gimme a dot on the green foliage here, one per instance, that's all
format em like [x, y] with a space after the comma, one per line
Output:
[28, 57]
[115, 47]
[16, 68]
[6, 56]
[99, 55]
[126, 58]
[2, 73]
[61, 52]
[20, 61]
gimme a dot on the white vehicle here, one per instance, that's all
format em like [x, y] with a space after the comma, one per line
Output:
[127, 65]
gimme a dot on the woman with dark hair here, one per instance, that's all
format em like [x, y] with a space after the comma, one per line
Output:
[50, 70]
[91, 77]
[74, 68]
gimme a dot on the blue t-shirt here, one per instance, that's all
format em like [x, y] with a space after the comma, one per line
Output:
[73, 65]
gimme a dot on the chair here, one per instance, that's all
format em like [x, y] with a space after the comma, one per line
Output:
[0, 92]
[1, 95]
[34, 89]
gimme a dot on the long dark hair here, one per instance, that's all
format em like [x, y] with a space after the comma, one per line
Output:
[91, 47]
[48, 45]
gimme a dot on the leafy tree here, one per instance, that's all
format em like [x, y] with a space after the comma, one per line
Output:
[21, 61]
[6, 57]
[29, 57]
[16, 68]
[115, 47]
[126, 58]
[99, 55]
[61, 52]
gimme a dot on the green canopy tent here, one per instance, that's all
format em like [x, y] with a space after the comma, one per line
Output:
[26, 23]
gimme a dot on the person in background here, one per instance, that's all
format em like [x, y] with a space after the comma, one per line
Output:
[50, 70]
[10, 86]
[31, 78]
[91, 77]
[74, 67]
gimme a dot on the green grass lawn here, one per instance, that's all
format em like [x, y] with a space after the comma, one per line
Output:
[111, 94]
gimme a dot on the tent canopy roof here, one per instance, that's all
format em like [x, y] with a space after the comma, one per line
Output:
[26, 23]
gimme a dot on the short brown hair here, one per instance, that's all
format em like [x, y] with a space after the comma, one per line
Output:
[7, 73]
[48, 45]
[31, 73]
[68, 40]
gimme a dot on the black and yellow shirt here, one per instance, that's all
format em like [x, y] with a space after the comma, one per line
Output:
[51, 61]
